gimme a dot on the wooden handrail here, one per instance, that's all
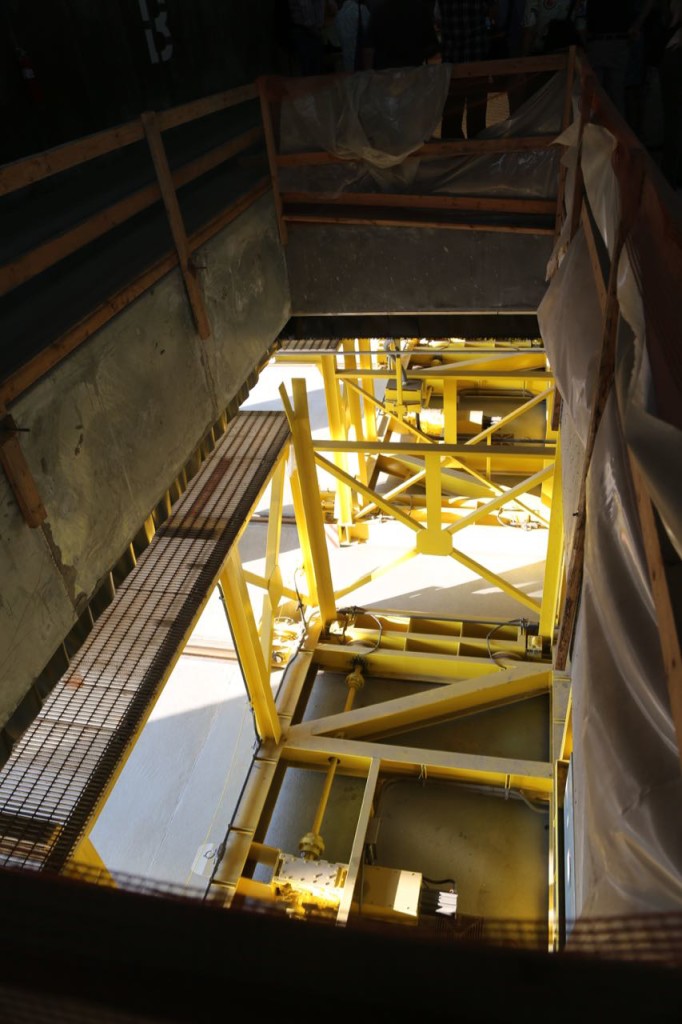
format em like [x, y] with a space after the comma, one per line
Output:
[28, 170]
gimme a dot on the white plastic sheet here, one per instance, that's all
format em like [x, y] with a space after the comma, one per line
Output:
[627, 778]
[375, 120]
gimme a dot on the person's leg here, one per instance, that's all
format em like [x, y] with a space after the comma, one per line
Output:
[477, 104]
[453, 112]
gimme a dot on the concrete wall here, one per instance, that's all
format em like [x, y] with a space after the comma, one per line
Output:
[113, 425]
[364, 269]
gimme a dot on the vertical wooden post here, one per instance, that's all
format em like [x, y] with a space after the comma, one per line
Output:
[565, 121]
[177, 225]
[270, 145]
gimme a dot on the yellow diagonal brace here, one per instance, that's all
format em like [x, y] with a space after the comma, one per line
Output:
[393, 493]
[375, 574]
[311, 522]
[510, 417]
[358, 849]
[274, 589]
[391, 510]
[355, 758]
[247, 642]
[337, 430]
[496, 580]
[502, 499]
[464, 697]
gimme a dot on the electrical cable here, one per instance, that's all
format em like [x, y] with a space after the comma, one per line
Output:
[355, 610]
[524, 623]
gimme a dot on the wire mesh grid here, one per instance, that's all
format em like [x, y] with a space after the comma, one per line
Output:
[62, 764]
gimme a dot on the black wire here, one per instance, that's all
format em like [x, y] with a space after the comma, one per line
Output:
[524, 623]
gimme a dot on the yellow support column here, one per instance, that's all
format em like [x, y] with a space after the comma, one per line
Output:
[433, 540]
[310, 502]
[369, 409]
[337, 430]
[243, 623]
[273, 576]
[450, 410]
[554, 560]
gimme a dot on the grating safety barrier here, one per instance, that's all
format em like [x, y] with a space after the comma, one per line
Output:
[59, 769]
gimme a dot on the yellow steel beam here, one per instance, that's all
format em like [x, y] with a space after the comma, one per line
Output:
[337, 430]
[365, 360]
[554, 561]
[355, 409]
[303, 535]
[273, 576]
[375, 574]
[418, 666]
[455, 373]
[510, 417]
[243, 829]
[465, 697]
[395, 449]
[484, 362]
[390, 510]
[355, 758]
[496, 580]
[450, 411]
[310, 502]
[433, 540]
[247, 642]
[393, 493]
[357, 852]
[508, 495]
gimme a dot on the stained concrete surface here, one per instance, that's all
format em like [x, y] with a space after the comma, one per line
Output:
[112, 426]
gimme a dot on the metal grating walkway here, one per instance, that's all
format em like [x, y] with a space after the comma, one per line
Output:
[53, 781]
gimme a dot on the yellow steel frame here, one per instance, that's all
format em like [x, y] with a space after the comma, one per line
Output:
[467, 672]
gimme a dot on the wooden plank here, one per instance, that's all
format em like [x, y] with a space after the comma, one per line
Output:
[422, 202]
[667, 624]
[510, 66]
[46, 255]
[405, 222]
[18, 474]
[177, 226]
[579, 184]
[273, 159]
[30, 169]
[595, 262]
[208, 105]
[32, 263]
[26, 376]
[565, 121]
[431, 150]
[574, 574]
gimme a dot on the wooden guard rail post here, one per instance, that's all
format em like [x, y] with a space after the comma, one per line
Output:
[33, 169]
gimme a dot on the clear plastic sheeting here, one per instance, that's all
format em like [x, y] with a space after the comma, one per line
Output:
[627, 780]
[379, 117]
[374, 121]
[570, 320]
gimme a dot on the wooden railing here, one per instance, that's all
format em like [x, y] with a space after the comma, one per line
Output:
[150, 127]
[410, 209]
[646, 226]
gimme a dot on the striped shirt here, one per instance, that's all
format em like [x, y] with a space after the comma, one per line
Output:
[464, 30]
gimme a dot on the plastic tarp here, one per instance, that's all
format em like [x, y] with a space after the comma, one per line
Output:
[375, 120]
[627, 777]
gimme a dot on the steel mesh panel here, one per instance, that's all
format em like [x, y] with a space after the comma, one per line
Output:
[59, 768]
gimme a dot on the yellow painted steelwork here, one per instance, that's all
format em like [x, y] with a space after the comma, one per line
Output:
[248, 646]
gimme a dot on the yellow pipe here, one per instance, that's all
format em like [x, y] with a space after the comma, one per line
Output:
[324, 799]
